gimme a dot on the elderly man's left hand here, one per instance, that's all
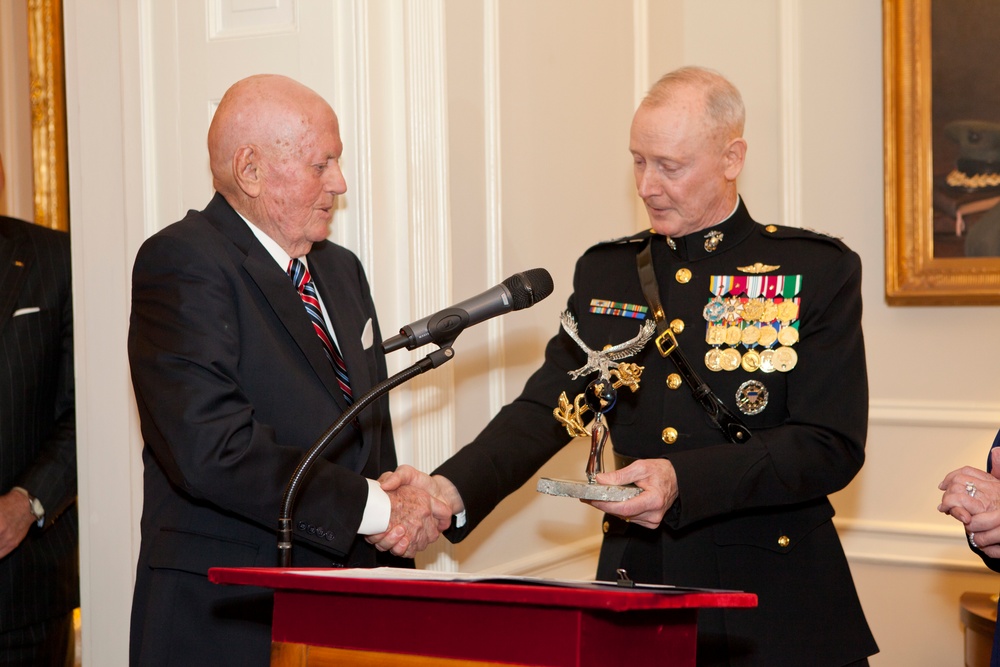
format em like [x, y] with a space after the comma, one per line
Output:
[658, 481]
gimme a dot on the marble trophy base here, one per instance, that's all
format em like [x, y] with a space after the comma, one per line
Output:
[585, 491]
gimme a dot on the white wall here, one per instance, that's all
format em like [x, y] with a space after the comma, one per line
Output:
[485, 138]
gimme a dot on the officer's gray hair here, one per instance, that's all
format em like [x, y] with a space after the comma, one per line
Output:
[722, 100]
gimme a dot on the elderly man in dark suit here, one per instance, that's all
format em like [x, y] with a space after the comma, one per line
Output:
[250, 334]
[39, 570]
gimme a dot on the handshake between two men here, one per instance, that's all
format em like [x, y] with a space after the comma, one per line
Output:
[422, 508]
[423, 505]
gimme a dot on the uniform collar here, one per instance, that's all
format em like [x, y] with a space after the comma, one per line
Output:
[733, 230]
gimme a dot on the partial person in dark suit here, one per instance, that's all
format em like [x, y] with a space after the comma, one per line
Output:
[235, 380]
[972, 496]
[736, 450]
[39, 561]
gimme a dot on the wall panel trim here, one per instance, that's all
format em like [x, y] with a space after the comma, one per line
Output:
[935, 414]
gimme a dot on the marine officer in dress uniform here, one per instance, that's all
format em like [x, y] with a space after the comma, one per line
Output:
[752, 405]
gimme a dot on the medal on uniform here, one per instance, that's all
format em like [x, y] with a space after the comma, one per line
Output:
[598, 398]
[749, 318]
[751, 397]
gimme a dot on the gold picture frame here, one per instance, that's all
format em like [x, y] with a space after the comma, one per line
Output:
[913, 274]
[48, 113]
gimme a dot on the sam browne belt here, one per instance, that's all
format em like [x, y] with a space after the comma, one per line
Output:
[730, 425]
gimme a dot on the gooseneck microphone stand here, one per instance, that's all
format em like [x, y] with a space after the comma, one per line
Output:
[432, 360]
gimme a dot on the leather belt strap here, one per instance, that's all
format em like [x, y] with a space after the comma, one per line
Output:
[730, 425]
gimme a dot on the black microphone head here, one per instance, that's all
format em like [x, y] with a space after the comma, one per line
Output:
[528, 287]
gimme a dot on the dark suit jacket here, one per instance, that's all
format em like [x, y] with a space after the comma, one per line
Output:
[752, 516]
[40, 578]
[233, 387]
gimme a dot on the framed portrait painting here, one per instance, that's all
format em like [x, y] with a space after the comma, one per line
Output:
[942, 151]
[48, 113]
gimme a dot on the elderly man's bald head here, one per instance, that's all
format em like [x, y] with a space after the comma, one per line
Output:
[274, 147]
[266, 110]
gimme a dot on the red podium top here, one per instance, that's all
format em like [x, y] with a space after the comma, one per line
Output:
[509, 620]
[509, 590]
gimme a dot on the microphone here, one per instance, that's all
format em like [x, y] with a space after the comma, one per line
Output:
[519, 291]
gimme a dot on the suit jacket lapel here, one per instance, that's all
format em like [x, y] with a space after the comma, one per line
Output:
[277, 288]
[347, 324]
[13, 270]
[348, 318]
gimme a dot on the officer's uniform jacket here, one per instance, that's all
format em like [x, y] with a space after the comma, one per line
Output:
[751, 516]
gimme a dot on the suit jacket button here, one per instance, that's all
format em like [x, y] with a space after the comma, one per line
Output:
[683, 276]
[606, 526]
[674, 381]
[783, 541]
[677, 326]
[669, 435]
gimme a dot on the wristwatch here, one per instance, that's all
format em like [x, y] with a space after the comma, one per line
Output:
[35, 505]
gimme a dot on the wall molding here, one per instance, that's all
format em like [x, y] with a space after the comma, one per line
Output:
[640, 50]
[433, 404]
[353, 90]
[494, 195]
[790, 91]
[227, 20]
[907, 544]
[562, 561]
[876, 542]
[910, 413]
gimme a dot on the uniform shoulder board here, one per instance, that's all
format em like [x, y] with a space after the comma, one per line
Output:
[639, 236]
[783, 232]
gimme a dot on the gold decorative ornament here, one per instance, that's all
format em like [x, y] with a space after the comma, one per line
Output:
[788, 336]
[750, 361]
[759, 267]
[785, 359]
[570, 415]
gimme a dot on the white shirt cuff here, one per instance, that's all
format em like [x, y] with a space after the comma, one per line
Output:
[375, 520]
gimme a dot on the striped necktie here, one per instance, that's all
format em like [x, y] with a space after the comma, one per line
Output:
[307, 290]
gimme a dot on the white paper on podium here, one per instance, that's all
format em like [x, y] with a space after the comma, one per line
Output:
[406, 574]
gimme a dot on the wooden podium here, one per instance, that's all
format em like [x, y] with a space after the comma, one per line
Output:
[322, 621]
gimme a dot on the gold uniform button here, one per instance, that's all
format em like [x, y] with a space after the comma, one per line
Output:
[674, 381]
[783, 541]
[606, 526]
[677, 326]
[683, 276]
[771, 228]
[669, 435]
